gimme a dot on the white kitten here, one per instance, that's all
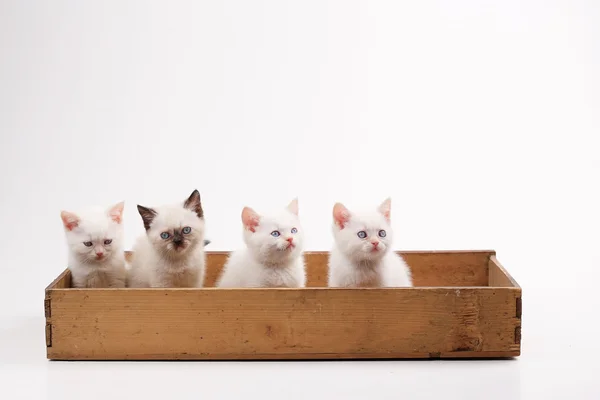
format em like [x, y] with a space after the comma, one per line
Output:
[95, 240]
[273, 256]
[362, 255]
[171, 253]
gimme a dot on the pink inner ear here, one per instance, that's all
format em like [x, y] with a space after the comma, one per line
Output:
[70, 220]
[386, 214]
[116, 212]
[293, 206]
[341, 215]
[250, 219]
[386, 208]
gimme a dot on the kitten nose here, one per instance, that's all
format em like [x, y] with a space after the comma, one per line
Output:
[375, 243]
[290, 240]
[99, 254]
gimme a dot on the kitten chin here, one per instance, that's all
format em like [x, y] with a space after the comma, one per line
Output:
[171, 253]
[95, 243]
[362, 255]
[273, 253]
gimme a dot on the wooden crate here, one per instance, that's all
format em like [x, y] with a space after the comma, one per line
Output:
[465, 305]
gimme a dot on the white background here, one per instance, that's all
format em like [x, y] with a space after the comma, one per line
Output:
[479, 118]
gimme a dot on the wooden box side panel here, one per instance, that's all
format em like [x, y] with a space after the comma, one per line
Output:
[283, 323]
[498, 276]
[429, 269]
[63, 281]
[453, 268]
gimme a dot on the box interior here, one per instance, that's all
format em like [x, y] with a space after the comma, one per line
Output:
[429, 269]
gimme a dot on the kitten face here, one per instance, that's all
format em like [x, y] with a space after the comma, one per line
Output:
[276, 238]
[96, 235]
[363, 236]
[175, 231]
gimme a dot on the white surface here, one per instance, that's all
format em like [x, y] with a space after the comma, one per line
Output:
[479, 118]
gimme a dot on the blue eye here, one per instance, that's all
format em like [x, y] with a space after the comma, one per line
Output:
[186, 230]
[108, 241]
[88, 244]
[294, 230]
[165, 235]
[382, 233]
[275, 234]
[362, 234]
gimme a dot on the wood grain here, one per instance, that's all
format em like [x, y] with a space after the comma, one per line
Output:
[310, 323]
[429, 268]
[63, 281]
[449, 268]
[434, 269]
[280, 323]
[498, 276]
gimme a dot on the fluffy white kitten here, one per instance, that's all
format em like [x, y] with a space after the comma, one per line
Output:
[273, 254]
[95, 241]
[171, 253]
[362, 255]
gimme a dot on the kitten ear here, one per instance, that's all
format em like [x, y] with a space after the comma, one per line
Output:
[147, 214]
[341, 215]
[116, 212]
[386, 208]
[250, 219]
[194, 204]
[70, 220]
[293, 206]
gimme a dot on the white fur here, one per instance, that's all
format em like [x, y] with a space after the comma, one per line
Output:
[156, 263]
[87, 271]
[265, 262]
[352, 261]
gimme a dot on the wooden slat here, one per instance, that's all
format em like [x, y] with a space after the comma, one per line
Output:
[146, 324]
[481, 354]
[452, 268]
[214, 265]
[498, 276]
[296, 356]
[429, 268]
[63, 281]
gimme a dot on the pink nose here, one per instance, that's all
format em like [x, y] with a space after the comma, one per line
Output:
[375, 244]
[290, 240]
[99, 254]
